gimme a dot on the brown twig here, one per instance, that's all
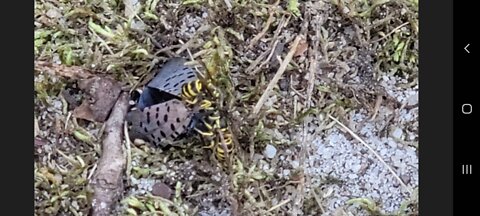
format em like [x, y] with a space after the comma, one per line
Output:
[279, 205]
[277, 76]
[270, 20]
[276, 51]
[253, 68]
[378, 103]
[314, 56]
[107, 181]
[390, 33]
[74, 72]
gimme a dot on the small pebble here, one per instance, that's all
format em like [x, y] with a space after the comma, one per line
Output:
[397, 133]
[52, 13]
[270, 151]
[162, 190]
[356, 168]
[295, 164]
[412, 100]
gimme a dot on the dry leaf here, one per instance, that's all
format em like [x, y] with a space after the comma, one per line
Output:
[102, 93]
[301, 48]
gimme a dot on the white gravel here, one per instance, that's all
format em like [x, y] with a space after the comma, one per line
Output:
[270, 151]
[335, 154]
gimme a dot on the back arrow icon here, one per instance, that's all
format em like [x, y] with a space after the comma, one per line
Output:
[466, 48]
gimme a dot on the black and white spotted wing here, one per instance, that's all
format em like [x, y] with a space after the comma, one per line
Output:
[167, 83]
[159, 123]
[172, 76]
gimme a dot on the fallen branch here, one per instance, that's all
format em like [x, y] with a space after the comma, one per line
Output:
[107, 182]
[277, 76]
[74, 72]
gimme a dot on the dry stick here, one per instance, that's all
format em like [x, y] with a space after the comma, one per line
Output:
[67, 120]
[229, 4]
[393, 31]
[192, 58]
[279, 205]
[74, 72]
[92, 171]
[277, 76]
[311, 75]
[272, 52]
[104, 43]
[304, 152]
[128, 169]
[36, 126]
[318, 200]
[274, 47]
[202, 29]
[373, 151]
[253, 68]
[378, 103]
[270, 20]
[264, 30]
[168, 48]
[107, 181]
[311, 83]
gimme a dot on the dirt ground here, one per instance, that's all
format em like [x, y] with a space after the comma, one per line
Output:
[336, 135]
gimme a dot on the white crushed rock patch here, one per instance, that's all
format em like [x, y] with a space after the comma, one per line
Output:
[337, 155]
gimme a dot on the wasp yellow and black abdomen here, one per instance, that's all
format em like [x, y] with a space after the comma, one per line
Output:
[227, 145]
[203, 96]
[192, 89]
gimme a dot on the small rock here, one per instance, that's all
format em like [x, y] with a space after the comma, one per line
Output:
[270, 101]
[139, 142]
[397, 133]
[392, 143]
[405, 178]
[39, 142]
[412, 100]
[139, 26]
[383, 151]
[162, 190]
[352, 176]
[295, 164]
[53, 13]
[356, 168]
[283, 84]
[270, 151]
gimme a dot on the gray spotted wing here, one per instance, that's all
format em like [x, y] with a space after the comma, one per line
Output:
[161, 123]
[172, 76]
